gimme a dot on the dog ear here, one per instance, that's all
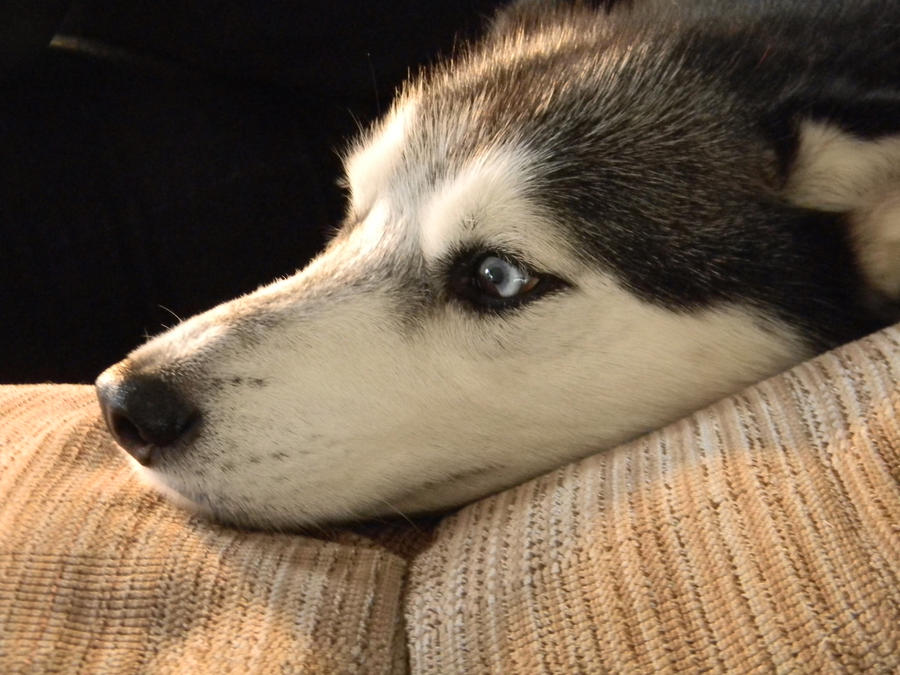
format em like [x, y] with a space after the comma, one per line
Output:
[843, 156]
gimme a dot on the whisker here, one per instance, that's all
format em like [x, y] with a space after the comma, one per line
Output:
[163, 307]
[402, 515]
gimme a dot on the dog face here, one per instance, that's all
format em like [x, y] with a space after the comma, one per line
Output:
[550, 248]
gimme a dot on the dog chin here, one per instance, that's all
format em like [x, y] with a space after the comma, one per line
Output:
[196, 504]
[206, 507]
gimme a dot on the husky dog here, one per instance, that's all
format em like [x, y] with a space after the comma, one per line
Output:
[594, 222]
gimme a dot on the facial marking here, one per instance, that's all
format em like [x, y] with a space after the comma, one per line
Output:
[487, 204]
[370, 165]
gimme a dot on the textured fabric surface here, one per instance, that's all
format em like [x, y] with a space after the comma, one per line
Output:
[98, 574]
[760, 535]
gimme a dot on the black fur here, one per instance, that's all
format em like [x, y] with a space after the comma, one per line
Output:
[666, 132]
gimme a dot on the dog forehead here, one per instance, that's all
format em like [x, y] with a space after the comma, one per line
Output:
[482, 201]
[464, 149]
[437, 185]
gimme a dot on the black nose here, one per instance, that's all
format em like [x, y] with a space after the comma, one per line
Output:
[144, 414]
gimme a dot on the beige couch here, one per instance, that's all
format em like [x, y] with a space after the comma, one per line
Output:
[759, 535]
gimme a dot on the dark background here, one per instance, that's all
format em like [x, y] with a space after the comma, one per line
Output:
[162, 156]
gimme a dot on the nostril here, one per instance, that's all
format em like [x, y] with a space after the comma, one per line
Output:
[144, 414]
[124, 428]
[129, 436]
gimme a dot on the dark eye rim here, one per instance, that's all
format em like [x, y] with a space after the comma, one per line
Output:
[463, 282]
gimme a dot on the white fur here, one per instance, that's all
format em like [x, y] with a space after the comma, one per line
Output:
[835, 171]
[370, 165]
[319, 404]
[486, 201]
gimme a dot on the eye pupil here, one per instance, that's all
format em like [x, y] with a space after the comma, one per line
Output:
[493, 271]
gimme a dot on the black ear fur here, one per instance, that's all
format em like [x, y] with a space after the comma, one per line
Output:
[867, 115]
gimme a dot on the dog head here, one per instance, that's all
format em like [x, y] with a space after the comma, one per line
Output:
[569, 236]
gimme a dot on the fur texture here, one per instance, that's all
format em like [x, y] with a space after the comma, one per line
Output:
[706, 191]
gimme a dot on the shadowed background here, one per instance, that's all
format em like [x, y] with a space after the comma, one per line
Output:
[160, 157]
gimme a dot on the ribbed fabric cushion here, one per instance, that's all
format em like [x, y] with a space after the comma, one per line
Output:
[760, 535]
[98, 574]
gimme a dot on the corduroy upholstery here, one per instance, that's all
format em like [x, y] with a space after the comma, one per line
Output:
[98, 574]
[761, 534]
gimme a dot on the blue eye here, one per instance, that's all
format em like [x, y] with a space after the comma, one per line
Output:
[502, 279]
[492, 281]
